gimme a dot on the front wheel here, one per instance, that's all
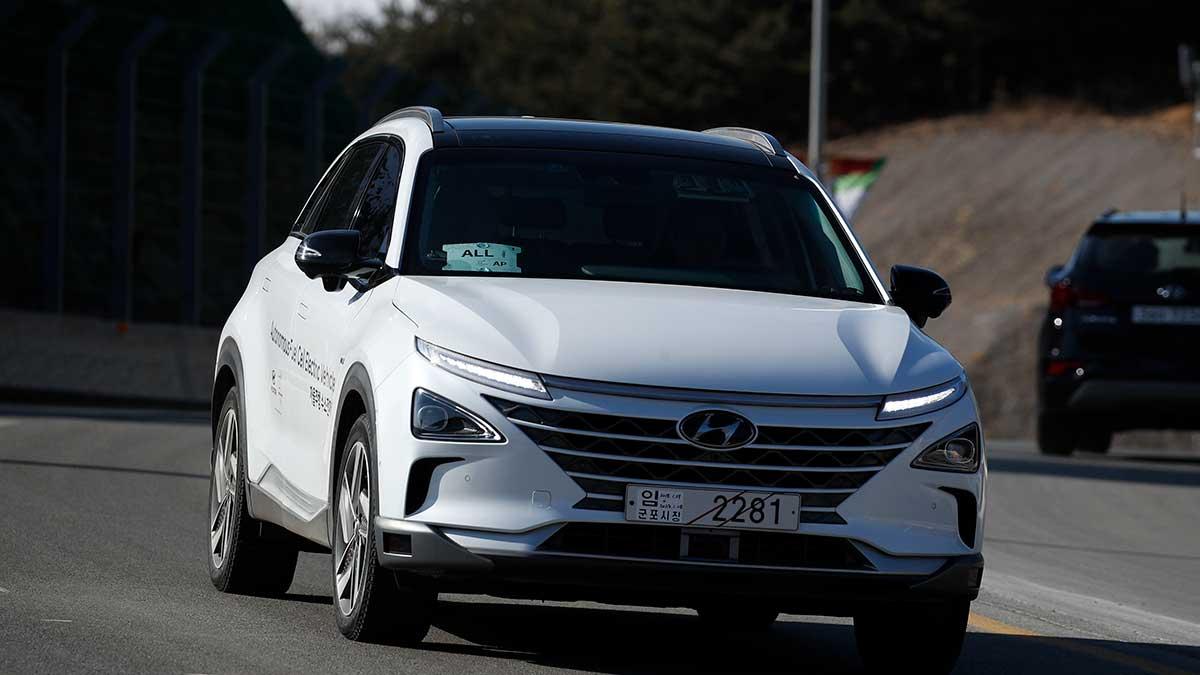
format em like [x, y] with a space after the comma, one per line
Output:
[734, 618]
[369, 601]
[912, 638]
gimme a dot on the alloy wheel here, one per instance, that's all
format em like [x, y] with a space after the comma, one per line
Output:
[352, 547]
[223, 490]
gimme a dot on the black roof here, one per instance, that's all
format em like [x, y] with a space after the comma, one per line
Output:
[1132, 219]
[529, 132]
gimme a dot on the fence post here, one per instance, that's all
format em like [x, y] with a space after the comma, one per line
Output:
[123, 171]
[314, 120]
[256, 155]
[817, 88]
[191, 199]
[56, 159]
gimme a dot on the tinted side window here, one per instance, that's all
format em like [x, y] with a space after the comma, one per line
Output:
[336, 213]
[303, 223]
[378, 204]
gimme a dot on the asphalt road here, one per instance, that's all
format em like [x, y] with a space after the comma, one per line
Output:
[1093, 567]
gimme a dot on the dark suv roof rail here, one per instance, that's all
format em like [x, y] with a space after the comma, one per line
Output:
[766, 142]
[432, 117]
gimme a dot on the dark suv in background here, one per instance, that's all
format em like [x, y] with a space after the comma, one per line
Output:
[1120, 346]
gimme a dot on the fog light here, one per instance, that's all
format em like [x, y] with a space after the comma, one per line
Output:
[959, 452]
[431, 419]
[438, 419]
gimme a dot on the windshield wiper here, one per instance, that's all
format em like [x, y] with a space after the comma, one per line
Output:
[840, 293]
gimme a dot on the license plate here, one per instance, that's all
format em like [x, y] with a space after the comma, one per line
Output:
[730, 509]
[1174, 316]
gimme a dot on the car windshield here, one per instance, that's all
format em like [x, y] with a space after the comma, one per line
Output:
[1138, 260]
[627, 217]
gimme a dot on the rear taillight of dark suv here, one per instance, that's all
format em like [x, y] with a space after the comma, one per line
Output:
[1064, 294]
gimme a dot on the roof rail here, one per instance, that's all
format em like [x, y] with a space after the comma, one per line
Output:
[432, 117]
[766, 142]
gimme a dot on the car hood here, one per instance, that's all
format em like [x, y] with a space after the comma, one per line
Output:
[677, 336]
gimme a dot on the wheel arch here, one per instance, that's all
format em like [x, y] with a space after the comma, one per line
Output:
[355, 399]
[229, 374]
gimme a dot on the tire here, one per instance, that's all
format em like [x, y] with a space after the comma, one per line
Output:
[737, 618]
[1055, 435]
[1095, 440]
[240, 559]
[912, 638]
[369, 602]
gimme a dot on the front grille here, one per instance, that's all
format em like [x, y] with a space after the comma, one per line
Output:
[656, 542]
[604, 453]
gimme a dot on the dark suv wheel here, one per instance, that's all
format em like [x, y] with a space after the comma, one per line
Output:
[1097, 440]
[1055, 435]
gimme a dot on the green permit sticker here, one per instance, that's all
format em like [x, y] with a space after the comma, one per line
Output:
[481, 257]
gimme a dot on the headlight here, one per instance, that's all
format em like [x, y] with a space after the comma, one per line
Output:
[960, 452]
[500, 377]
[435, 418]
[923, 400]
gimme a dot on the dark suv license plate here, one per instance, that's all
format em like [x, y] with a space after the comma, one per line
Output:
[1165, 316]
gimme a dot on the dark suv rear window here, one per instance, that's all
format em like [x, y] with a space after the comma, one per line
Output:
[1135, 259]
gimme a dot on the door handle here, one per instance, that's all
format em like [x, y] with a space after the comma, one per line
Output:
[302, 310]
[266, 284]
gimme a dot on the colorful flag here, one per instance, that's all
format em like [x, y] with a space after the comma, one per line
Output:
[849, 179]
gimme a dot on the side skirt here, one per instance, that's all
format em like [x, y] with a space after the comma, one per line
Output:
[276, 500]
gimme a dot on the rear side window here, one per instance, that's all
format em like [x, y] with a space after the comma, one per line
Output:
[337, 211]
[378, 205]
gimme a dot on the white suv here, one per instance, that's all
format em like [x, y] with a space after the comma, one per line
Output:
[578, 360]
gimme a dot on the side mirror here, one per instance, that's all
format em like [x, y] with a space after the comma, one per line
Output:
[332, 257]
[922, 293]
[1053, 275]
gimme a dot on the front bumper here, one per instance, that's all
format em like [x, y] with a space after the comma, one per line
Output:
[427, 553]
[495, 518]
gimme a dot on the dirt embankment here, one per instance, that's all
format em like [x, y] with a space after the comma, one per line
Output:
[991, 201]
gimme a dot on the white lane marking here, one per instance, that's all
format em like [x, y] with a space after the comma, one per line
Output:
[3, 589]
[4, 422]
[57, 620]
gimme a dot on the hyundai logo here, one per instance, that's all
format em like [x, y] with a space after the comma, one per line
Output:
[717, 429]
[1172, 292]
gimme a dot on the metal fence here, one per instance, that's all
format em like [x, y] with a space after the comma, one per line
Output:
[152, 160]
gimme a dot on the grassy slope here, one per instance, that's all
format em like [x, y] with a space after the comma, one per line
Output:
[992, 200]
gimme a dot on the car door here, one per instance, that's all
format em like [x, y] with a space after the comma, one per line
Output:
[320, 323]
[282, 282]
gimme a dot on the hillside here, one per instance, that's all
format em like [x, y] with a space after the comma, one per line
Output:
[991, 201]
